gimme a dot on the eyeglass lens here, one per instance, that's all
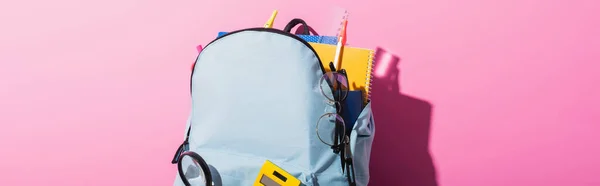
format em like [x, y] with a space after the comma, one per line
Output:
[326, 127]
[192, 171]
[337, 82]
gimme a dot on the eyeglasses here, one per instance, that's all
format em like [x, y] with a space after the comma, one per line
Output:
[338, 83]
[193, 170]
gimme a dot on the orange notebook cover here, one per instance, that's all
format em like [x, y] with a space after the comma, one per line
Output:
[358, 63]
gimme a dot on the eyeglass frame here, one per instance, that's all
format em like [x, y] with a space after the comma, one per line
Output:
[203, 166]
[337, 102]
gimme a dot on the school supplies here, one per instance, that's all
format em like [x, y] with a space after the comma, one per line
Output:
[236, 133]
[272, 175]
[305, 35]
[358, 63]
[340, 47]
[353, 105]
[269, 23]
[193, 170]
[336, 16]
[308, 38]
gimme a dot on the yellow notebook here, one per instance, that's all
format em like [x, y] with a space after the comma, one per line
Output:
[358, 63]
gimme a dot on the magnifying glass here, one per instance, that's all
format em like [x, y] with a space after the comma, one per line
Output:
[193, 170]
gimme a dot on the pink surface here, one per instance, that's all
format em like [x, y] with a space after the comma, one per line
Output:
[96, 93]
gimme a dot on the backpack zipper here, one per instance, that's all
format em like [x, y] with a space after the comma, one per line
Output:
[272, 30]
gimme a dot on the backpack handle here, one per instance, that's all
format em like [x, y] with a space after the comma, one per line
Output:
[293, 23]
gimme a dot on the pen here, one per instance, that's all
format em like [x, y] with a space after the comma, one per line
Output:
[269, 23]
[340, 46]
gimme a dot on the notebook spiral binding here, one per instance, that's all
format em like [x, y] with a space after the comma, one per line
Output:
[369, 77]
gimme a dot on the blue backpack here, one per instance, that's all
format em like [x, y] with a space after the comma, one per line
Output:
[257, 94]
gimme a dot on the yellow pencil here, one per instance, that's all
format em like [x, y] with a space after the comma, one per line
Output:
[339, 52]
[269, 23]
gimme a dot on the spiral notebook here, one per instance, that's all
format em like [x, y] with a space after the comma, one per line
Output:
[358, 63]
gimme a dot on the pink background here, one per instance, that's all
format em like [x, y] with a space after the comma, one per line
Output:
[96, 92]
